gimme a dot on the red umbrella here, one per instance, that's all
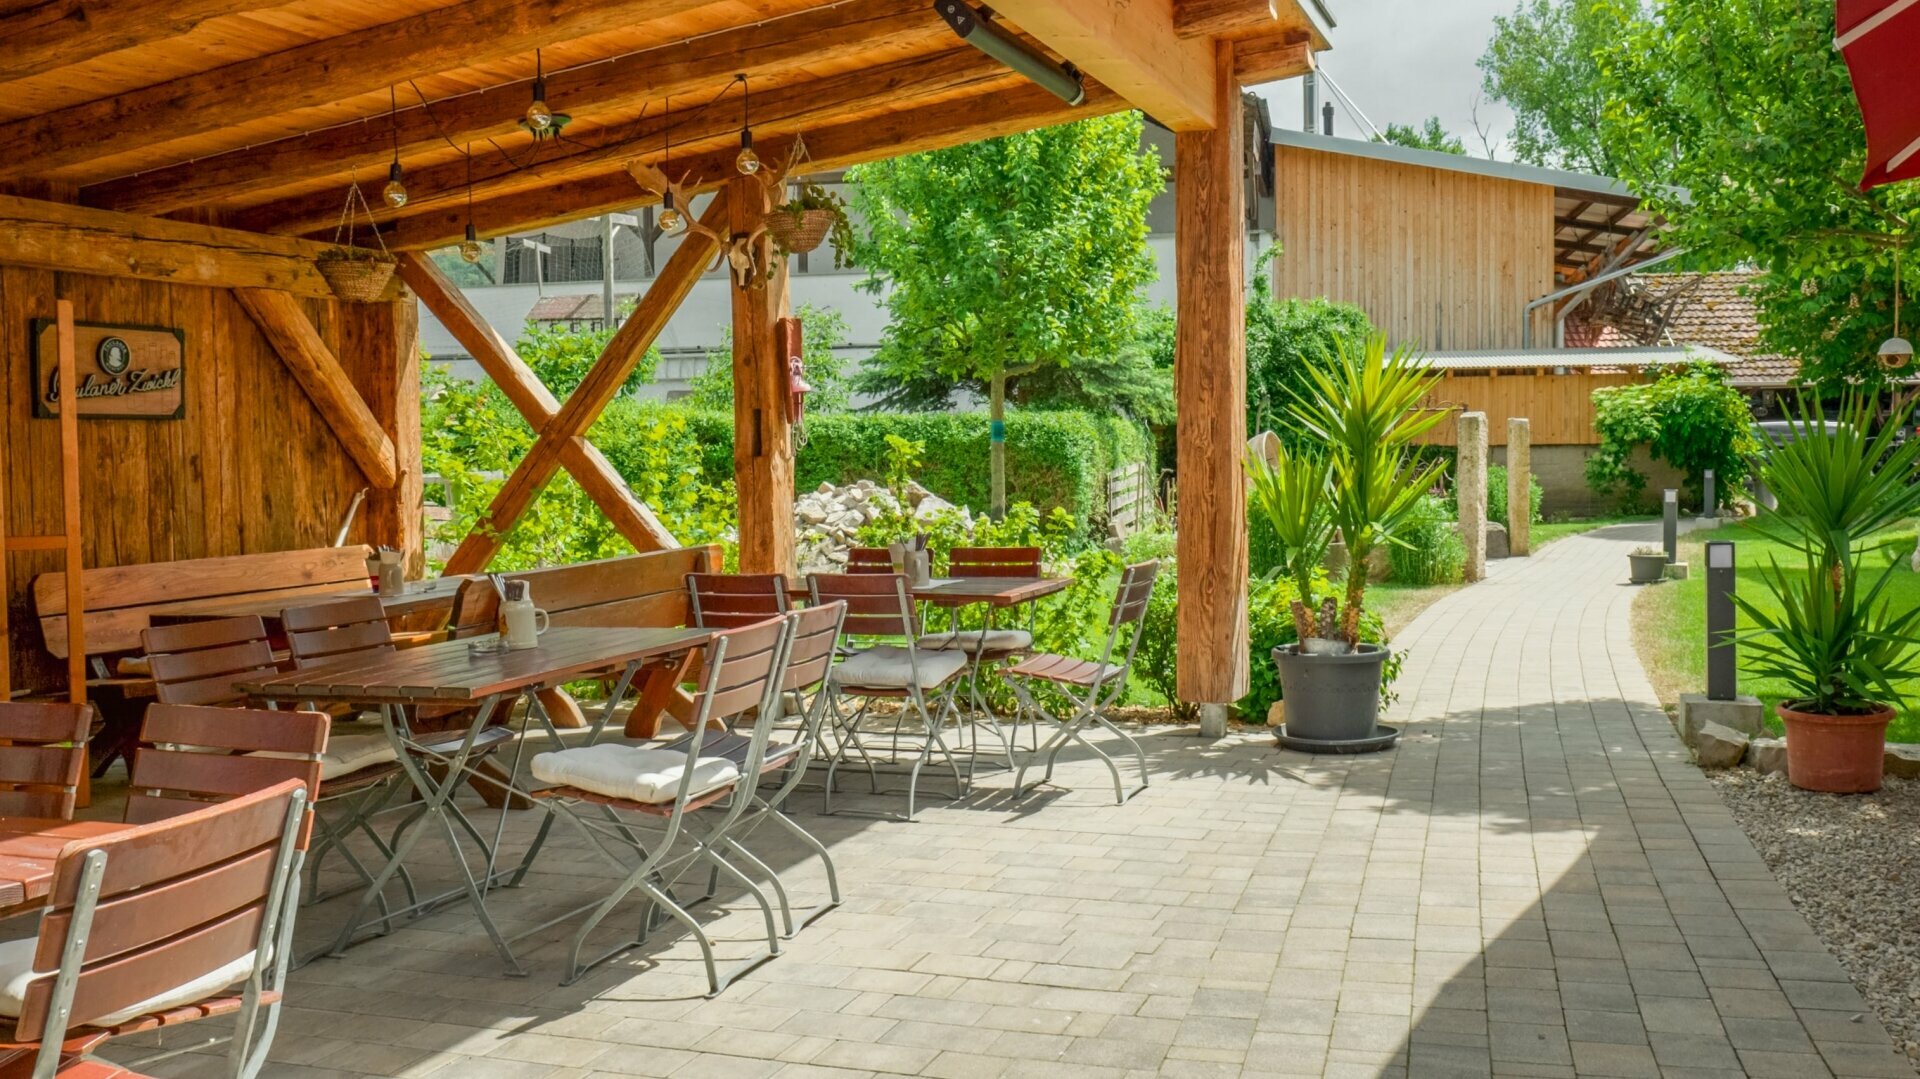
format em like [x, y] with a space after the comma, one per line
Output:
[1881, 39]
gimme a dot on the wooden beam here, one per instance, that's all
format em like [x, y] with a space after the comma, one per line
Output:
[930, 127]
[814, 36]
[762, 435]
[72, 239]
[531, 398]
[789, 108]
[70, 504]
[318, 73]
[602, 383]
[1130, 47]
[1210, 388]
[1269, 59]
[44, 35]
[390, 370]
[314, 366]
[1208, 18]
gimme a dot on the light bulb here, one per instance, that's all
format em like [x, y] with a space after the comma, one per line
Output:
[395, 193]
[539, 116]
[670, 219]
[747, 162]
[471, 249]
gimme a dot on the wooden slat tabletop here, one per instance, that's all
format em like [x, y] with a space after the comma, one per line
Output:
[449, 671]
[419, 596]
[28, 849]
[997, 591]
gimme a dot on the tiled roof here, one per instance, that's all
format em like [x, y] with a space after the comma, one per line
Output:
[584, 305]
[1713, 311]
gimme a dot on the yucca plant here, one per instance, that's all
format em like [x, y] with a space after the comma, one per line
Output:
[1291, 492]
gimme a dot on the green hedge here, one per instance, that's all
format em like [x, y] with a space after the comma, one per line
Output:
[1053, 458]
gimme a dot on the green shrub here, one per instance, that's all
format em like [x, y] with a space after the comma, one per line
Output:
[1497, 495]
[1691, 417]
[1429, 550]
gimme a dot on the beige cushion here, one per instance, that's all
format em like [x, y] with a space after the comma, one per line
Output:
[16, 973]
[635, 773]
[971, 640]
[346, 753]
[888, 666]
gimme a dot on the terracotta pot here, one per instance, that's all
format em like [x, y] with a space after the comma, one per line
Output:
[1835, 754]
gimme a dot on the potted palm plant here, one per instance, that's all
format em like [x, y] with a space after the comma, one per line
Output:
[1836, 639]
[1361, 477]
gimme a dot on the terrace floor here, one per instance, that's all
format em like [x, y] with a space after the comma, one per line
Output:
[1536, 882]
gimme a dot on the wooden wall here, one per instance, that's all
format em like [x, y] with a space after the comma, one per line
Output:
[1442, 260]
[250, 467]
[1558, 408]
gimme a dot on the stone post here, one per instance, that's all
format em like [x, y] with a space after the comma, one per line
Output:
[1519, 486]
[1470, 481]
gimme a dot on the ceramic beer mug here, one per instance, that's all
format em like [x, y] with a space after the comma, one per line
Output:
[522, 623]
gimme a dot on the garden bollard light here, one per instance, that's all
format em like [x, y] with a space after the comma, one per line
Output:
[1709, 507]
[1670, 525]
[1722, 682]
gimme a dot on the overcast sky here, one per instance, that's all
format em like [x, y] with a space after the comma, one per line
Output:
[1402, 61]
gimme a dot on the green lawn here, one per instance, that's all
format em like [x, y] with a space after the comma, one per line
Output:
[1669, 620]
[1547, 531]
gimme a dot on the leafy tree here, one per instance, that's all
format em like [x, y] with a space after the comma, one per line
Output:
[460, 271]
[1690, 417]
[1431, 135]
[1284, 338]
[1004, 258]
[1543, 62]
[826, 331]
[562, 356]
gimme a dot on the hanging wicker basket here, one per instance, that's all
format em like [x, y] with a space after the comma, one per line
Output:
[358, 274]
[799, 233]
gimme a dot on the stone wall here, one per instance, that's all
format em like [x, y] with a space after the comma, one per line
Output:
[1561, 471]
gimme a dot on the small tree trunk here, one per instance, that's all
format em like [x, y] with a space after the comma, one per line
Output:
[1356, 594]
[997, 445]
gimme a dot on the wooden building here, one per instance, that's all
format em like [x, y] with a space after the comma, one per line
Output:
[178, 168]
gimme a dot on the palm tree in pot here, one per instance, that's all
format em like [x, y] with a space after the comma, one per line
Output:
[1357, 473]
[1836, 641]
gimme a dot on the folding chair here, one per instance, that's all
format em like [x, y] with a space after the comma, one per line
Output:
[197, 663]
[988, 645]
[869, 560]
[595, 784]
[732, 600]
[149, 928]
[1090, 687]
[878, 606]
[43, 754]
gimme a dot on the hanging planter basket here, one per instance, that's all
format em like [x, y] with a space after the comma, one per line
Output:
[357, 274]
[799, 233]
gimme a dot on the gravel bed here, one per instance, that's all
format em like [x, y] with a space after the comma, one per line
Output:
[1851, 864]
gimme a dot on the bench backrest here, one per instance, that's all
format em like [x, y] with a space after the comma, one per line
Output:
[117, 599]
[647, 589]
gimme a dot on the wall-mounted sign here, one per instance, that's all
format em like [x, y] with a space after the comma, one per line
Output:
[125, 372]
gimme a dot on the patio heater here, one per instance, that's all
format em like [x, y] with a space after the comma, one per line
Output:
[975, 27]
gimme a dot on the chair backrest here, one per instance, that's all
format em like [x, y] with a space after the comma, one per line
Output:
[731, 600]
[337, 630]
[476, 609]
[869, 560]
[1136, 588]
[192, 756]
[877, 604]
[739, 663]
[147, 910]
[43, 750]
[816, 637]
[993, 562]
[198, 662]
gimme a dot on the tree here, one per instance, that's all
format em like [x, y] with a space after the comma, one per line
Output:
[825, 331]
[1005, 258]
[1738, 123]
[1542, 61]
[1431, 135]
[562, 356]
[1691, 417]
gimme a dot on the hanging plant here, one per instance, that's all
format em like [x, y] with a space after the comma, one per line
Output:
[355, 273]
[810, 216]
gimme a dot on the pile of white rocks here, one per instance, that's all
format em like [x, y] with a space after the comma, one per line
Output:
[828, 519]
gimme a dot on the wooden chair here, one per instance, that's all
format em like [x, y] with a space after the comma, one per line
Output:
[993, 562]
[987, 645]
[43, 757]
[184, 919]
[192, 756]
[869, 560]
[732, 600]
[198, 662]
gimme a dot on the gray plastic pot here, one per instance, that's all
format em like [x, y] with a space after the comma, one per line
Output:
[1646, 568]
[1333, 702]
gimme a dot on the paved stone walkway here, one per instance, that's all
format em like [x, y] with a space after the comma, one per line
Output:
[1536, 882]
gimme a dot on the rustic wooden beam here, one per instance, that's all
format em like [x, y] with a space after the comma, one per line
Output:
[389, 338]
[813, 36]
[1210, 388]
[1270, 58]
[762, 433]
[73, 239]
[1208, 18]
[314, 366]
[789, 108]
[989, 115]
[44, 35]
[531, 398]
[71, 526]
[585, 404]
[1130, 47]
[319, 73]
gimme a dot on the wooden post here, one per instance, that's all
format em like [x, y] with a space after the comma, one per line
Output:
[70, 503]
[1210, 387]
[392, 379]
[762, 433]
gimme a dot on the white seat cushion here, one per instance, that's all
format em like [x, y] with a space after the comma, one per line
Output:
[971, 640]
[346, 753]
[16, 972]
[635, 773]
[888, 666]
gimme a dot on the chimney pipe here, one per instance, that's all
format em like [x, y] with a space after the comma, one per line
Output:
[1326, 118]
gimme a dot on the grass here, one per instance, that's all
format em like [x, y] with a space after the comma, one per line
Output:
[1547, 531]
[1669, 620]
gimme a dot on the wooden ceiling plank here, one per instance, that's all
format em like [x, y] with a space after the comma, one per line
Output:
[1131, 48]
[319, 73]
[816, 35]
[1206, 18]
[54, 33]
[1271, 57]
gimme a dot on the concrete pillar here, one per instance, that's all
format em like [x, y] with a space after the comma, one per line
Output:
[1470, 481]
[1213, 721]
[1519, 486]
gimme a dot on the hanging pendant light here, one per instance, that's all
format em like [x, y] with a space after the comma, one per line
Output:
[395, 193]
[540, 119]
[471, 249]
[747, 162]
[671, 219]
[1896, 352]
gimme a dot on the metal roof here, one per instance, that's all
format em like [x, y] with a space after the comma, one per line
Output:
[1493, 359]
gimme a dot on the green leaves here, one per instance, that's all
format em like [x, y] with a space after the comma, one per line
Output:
[1292, 495]
[1690, 417]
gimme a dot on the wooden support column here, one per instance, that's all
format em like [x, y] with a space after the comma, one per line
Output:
[392, 379]
[1210, 388]
[318, 371]
[762, 435]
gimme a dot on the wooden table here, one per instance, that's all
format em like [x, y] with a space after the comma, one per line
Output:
[451, 673]
[993, 591]
[29, 846]
[420, 597]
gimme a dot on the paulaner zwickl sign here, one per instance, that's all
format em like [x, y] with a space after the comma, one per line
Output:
[124, 372]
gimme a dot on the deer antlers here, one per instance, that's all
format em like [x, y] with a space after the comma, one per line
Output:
[740, 250]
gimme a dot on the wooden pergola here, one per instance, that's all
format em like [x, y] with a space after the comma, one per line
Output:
[209, 143]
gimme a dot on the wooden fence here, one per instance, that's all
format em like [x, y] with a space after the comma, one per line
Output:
[1129, 499]
[1560, 407]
